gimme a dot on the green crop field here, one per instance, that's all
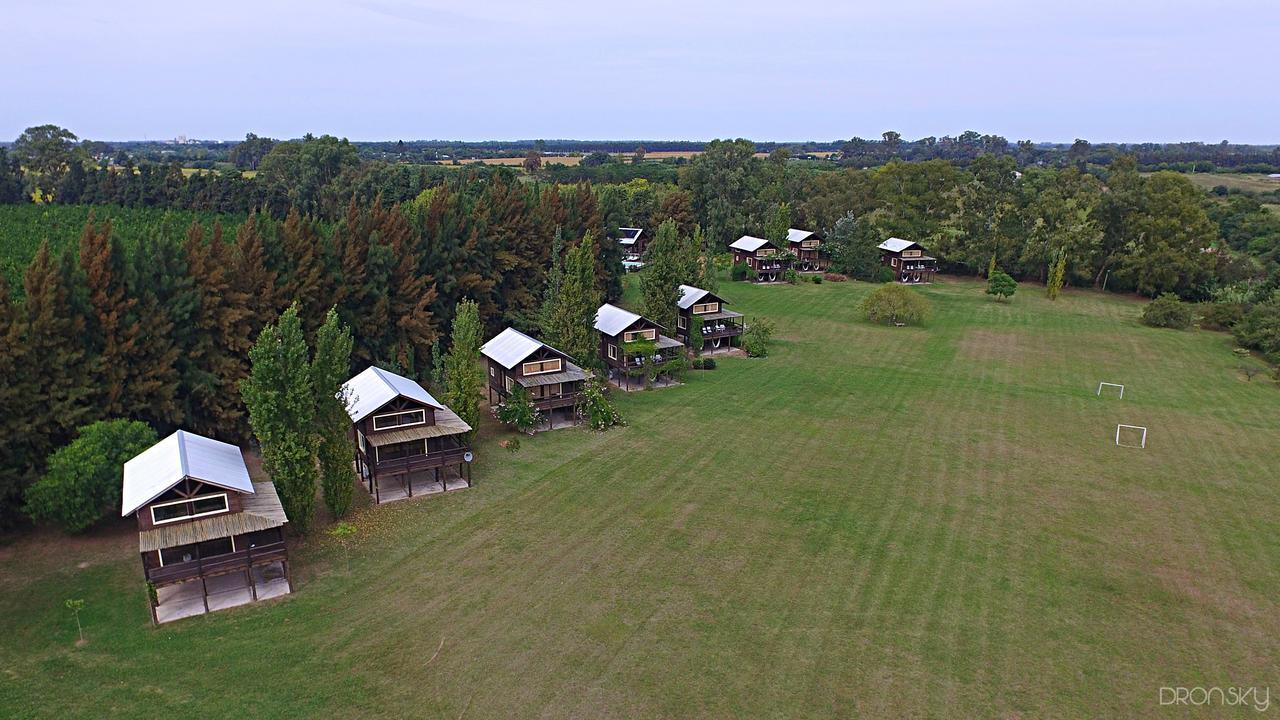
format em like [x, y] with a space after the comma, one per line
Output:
[24, 227]
[1237, 181]
[871, 522]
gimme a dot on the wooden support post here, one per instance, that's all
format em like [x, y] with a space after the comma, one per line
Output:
[204, 591]
[373, 480]
[253, 587]
[436, 469]
[408, 481]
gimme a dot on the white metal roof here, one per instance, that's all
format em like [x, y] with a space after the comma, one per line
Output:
[690, 295]
[894, 244]
[376, 387]
[510, 347]
[748, 243]
[182, 455]
[629, 236]
[795, 236]
[611, 319]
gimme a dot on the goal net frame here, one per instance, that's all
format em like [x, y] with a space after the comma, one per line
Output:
[1114, 385]
[1142, 444]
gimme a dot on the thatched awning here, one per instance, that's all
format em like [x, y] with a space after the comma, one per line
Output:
[262, 511]
[447, 423]
[665, 343]
[572, 373]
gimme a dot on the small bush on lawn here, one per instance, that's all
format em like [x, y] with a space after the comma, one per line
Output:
[756, 339]
[596, 408]
[817, 279]
[738, 272]
[1167, 311]
[1220, 315]
[518, 411]
[1001, 285]
[883, 275]
[891, 304]
[791, 276]
[835, 277]
[82, 484]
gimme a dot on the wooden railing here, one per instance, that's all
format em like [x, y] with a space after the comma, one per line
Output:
[218, 564]
[433, 459]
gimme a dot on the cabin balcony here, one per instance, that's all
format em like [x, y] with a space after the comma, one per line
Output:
[415, 463]
[558, 400]
[238, 561]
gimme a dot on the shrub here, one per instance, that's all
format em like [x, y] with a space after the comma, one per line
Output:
[738, 272]
[1167, 311]
[82, 484]
[595, 407]
[890, 304]
[518, 411]
[883, 275]
[791, 276]
[752, 275]
[817, 279]
[701, 363]
[1220, 315]
[1260, 330]
[835, 277]
[756, 339]
[1001, 285]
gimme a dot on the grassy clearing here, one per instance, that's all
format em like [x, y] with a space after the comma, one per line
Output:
[871, 522]
[1236, 181]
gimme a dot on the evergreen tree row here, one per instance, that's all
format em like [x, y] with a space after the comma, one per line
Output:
[161, 331]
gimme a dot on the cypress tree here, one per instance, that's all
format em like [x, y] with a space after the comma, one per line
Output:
[303, 275]
[55, 334]
[17, 403]
[112, 331]
[552, 289]
[282, 410]
[330, 364]
[254, 278]
[163, 315]
[411, 295]
[223, 326]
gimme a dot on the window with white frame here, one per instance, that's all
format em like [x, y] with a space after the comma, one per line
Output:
[364, 444]
[538, 367]
[613, 352]
[399, 419]
[506, 382]
[705, 308]
[187, 508]
[633, 335]
[682, 322]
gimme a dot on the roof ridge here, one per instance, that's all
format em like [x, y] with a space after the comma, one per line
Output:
[182, 454]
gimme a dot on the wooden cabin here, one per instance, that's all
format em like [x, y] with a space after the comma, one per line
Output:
[406, 442]
[768, 260]
[553, 382]
[806, 246]
[210, 538]
[908, 261]
[619, 329]
[633, 243]
[720, 329]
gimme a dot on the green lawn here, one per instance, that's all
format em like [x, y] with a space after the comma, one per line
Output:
[872, 522]
[1238, 181]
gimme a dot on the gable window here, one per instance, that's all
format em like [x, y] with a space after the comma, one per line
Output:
[809, 244]
[400, 419]
[395, 451]
[704, 308]
[911, 253]
[188, 508]
[765, 252]
[545, 366]
[613, 352]
[634, 335]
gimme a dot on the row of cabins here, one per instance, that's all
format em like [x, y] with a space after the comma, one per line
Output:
[211, 538]
[803, 251]
[629, 343]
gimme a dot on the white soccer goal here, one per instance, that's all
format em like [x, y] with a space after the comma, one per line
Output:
[1113, 385]
[1135, 431]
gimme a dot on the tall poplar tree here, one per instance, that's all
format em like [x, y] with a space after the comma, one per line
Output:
[572, 317]
[330, 365]
[664, 271]
[464, 379]
[282, 410]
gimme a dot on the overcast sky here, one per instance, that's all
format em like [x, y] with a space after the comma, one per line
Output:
[1123, 70]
